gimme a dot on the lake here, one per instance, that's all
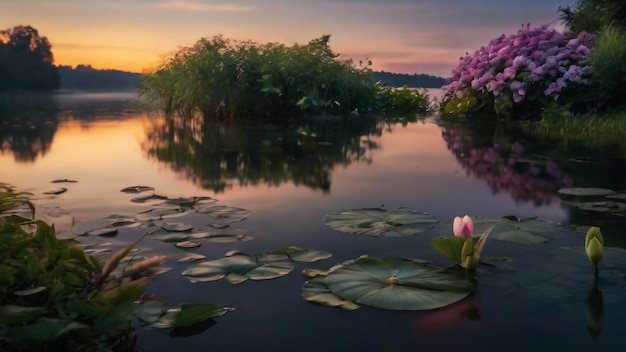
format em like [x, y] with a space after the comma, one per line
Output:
[290, 176]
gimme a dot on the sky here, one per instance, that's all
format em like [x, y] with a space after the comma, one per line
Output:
[402, 36]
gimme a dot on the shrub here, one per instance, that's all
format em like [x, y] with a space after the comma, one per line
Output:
[608, 68]
[222, 78]
[516, 75]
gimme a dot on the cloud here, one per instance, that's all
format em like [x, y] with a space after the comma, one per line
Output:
[199, 6]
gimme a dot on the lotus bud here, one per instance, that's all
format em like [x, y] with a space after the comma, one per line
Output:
[470, 253]
[594, 245]
[463, 227]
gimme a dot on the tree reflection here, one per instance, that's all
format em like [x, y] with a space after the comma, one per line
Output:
[220, 155]
[506, 162]
[28, 123]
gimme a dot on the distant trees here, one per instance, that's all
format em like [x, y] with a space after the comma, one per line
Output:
[85, 77]
[413, 81]
[26, 61]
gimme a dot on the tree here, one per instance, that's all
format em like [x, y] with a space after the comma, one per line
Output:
[26, 61]
[594, 16]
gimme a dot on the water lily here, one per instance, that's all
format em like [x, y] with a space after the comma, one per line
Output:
[463, 227]
[594, 246]
[470, 253]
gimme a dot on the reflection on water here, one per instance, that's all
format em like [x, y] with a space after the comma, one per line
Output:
[447, 170]
[217, 156]
[506, 164]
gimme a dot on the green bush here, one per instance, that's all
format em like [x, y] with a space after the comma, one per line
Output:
[55, 297]
[220, 78]
[608, 69]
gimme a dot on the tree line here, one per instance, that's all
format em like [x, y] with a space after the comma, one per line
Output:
[26, 61]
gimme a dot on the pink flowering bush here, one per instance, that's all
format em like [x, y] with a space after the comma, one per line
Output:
[529, 68]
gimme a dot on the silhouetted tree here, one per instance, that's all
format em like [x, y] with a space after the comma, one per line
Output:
[26, 61]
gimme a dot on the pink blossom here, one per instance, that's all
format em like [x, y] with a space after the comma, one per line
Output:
[463, 227]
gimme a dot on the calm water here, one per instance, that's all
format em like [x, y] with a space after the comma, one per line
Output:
[290, 176]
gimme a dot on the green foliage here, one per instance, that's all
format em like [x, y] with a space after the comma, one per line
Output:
[52, 292]
[403, 99]
[220, 78]
[608, 68]
[594, 16]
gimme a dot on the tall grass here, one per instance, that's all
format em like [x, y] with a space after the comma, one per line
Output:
[223, 78]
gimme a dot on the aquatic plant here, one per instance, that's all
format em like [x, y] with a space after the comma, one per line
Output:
[527, 69]
[462, 247]
[52, 292]
[594, 247]
[221, 78]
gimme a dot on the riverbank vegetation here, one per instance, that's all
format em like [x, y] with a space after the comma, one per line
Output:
[221, 78]
[54, 294]
[571, 82]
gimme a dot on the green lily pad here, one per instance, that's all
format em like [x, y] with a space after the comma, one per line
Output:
[224, 212]
[602, 207]
[381, 222]
[143, 199]
[396, 284]
[160, 213]
[585, 192]
[237, 268]
[176, 226]
[524, 231]
[171, 237]
[228, 235]
[191, 257]
[137, 189]
[181, 316]
[104, 232]
[187, 244]
[315, 290]
[296, 254]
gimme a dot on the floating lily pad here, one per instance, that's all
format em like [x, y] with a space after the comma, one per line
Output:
[171, 237]
[296, 254]
[395, 284]
[65, 180]
[187, 244]
[56, 191]
[228, 235]
[137, 189]
[522, 231]
[190, 257]
[381, 222]
[181, 316]
[190, 201]
[237, 268]
[159, 213]
[104, 232]
[585, 192]
[143, 199]
[176, 226]
[224, 212]
[315, 290]
[601, 206]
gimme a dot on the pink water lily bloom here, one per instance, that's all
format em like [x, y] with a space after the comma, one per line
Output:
[463, 227]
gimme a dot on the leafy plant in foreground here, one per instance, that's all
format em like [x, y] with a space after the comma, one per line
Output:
[53, 293]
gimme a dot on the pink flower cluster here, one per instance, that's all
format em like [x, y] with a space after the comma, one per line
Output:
[540, 57]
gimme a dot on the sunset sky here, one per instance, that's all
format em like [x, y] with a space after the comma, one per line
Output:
[405, 36]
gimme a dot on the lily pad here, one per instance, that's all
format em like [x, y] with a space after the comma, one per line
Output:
[56, 191]
[228, 235]
[296, 254]
[528, 231]
[381, 222]
[137, 189]
[396, 284]
[189, 201]
[104, 232]
[160, 213]
[315, 290]
[191, 257]
[143, 199]
[176, 226]
[237, 268]
[171, 237]
[187, 244]
[585, 192]
[224, 212]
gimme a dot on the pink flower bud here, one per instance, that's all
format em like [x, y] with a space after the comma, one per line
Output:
[463, 227]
